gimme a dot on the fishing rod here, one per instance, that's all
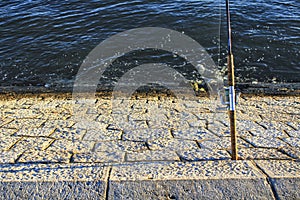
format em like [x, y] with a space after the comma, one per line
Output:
[231, 90]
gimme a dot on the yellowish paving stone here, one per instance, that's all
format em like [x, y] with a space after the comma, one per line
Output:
[261, 154]
[28, 143]
[105, 118]
[265, 142]
[156, 124]
[118, 145]
[57, 116]
[203, 154]
[129, 125]
[222, 143]
[193, 134]
[68, 133]
[7, 131]
[46, 156]
[293, 152]
[146, 134]
[9, 156]
[99, 157]
[102, 135]
[219, 129]
[197, 123]
[162, 155]
[183, 170]
[90, 124]
[24, 123]
[293, 141]
[71, 146]
[7, 141]
[58, 124]
[280, 168]
[4, 121]
[26, 113]
[172, 144]
[140, 116]
[35, 132]
[248, 125]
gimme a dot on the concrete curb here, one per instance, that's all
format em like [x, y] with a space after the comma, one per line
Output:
[161, 180]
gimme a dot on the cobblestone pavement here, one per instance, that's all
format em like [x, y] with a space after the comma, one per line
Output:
[149, 147]
[43, 129]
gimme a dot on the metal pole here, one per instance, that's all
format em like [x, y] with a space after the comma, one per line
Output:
[231, 83]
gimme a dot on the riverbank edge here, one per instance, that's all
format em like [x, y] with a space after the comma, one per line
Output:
[261, 89]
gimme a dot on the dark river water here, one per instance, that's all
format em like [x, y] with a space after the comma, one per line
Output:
[43, 42]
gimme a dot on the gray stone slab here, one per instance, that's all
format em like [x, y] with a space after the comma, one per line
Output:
[191, 189]
[53, 181]
[280, 168]
[53, 190]
[197, 180]
[185, 171]
[284, 176]
[286, 188]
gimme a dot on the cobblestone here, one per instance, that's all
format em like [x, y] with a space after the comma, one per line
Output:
[147, 128]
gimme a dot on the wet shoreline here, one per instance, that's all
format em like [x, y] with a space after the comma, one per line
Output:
[264, 89]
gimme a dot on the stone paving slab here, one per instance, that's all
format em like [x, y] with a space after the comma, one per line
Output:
[197, 180]
[284, 176]
[160, 155]
[203, 154]
[150, 147]
[45, 156]
[147, 134]
[262, 154]
[99, 157]
[172, 144]
[53, 181]
[35, 132]
[71, 146]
